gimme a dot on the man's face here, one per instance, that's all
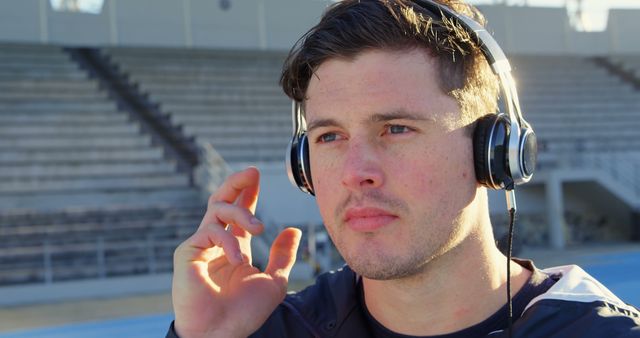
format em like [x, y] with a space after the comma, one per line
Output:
[391, 167]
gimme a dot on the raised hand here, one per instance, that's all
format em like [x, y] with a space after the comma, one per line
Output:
[216, 291]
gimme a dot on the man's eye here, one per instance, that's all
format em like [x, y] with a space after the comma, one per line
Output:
[397, 129]
[328, 137]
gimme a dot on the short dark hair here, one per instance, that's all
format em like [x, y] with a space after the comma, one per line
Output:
[350, 27]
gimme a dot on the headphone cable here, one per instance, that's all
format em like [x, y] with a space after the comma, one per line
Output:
[512, 217]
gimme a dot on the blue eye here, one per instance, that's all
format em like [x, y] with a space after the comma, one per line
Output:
[397, 129]
[328, 137]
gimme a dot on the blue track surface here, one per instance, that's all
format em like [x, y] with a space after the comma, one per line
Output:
[134, 327]
[618, 272]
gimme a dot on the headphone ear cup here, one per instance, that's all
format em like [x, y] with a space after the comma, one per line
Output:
[292, 162]
[490, 141]
[298, 168]
[306, 164]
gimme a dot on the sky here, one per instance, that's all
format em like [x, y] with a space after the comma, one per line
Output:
[594, 16]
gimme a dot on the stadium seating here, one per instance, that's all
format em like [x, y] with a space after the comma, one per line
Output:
[231, 99]
[576, 106]
[628, 62]
[63, 143]
[65, 148]
[585, 118]
[87, 243]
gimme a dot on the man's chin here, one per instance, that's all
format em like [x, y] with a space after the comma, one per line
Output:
[384, 268]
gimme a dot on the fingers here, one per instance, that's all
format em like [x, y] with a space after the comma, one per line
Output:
[283, 253]
[242, 218]
[244, 184]
[214, 235]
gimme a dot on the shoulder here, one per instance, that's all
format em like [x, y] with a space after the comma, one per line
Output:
[577, 305]
[316, 311]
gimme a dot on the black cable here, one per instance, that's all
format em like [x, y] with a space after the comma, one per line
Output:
[512, 216]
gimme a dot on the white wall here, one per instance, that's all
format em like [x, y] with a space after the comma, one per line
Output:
[277, 24]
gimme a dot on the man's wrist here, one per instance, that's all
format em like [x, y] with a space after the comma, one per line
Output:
[174, 333]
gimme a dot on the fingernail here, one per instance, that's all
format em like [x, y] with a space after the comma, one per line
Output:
[255, 221]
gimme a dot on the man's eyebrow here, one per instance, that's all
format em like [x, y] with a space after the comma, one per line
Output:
[314, 124]
[399, 115]
[382, 117]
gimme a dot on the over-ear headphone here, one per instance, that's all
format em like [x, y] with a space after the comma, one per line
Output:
[504, 145]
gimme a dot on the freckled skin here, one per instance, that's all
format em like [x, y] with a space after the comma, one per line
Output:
[420, 176]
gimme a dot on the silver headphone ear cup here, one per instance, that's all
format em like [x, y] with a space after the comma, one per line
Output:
[490, 142]
[297, 162]
[291, 159]
[528, 154]
[305, 165]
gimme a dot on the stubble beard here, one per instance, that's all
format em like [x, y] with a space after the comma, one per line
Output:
[424, 243]
[409, 260]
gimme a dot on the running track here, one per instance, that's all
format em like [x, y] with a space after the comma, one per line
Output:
[620, 272]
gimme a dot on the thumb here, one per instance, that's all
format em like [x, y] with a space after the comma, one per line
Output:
[283, 253]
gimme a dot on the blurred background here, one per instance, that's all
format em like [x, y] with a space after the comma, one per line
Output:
[119, 117]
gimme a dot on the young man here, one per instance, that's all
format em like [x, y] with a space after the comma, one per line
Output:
[390, 93]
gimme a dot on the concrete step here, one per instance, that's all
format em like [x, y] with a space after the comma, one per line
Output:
[591, 125]
[65, 131]
[222, 61]
[40, 111]
[108, 214]
[79, 119]
[244, 140]
[219, 97]
[226, 130]
[50, 85]
[235, 99]
[209, 119]
[177, 79]
[186, 108]
[253, 155]
[566, 133]
[69, 105]
[7, 74]
[201, 70]
[526, 79]
[93, 184]
[52, 95]
[50, 201]
[571, 145]
[183, 54]
[18, 47]
[195, 53]
[212, 88]
[105, 169]
[552, 86]
[19, 65]
[79, 155]
[35, 58]
[579, 97]
[550, 105]
[124, 141]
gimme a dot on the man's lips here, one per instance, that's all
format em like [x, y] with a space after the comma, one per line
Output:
[367, 219]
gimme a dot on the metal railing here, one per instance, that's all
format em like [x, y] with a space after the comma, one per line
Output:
[94, 259]
[623, 167]
[212, 169]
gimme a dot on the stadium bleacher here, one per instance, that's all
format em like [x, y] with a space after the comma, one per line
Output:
[76, 171]
[64, 143]
[585, 118]
[628, 62]
[231, 99]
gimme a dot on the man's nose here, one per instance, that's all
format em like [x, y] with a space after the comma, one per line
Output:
[362, 167]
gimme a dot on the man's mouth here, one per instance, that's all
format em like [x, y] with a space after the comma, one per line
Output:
[368, 219]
